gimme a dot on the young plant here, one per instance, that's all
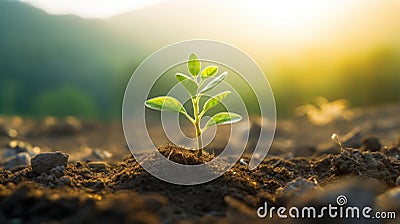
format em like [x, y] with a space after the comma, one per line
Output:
[196, 85]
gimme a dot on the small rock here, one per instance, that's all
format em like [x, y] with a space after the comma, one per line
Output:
[97, 166]
[398, 181]
[14, 147]
[102, 154]
[44, 162]
[296, 187]
[21, 160]
[99, 185]
[371, 143]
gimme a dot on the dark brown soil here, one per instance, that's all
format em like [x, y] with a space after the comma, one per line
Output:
[125, 193]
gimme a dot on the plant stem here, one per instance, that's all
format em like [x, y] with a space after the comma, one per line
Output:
[195, 101]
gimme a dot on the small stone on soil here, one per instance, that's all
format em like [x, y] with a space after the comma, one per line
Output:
[21, 160]
[97, 166]
[297, 187]
[45, 162]
[14, 147]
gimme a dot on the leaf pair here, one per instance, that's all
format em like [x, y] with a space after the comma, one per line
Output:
[167, 103]
[194, 67]
[193, 88]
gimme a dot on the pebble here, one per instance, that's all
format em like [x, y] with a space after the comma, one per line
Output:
[97, 166]
[99, 185]
[14, 147]
[297, 187]
[21, 160]
[102, 154]
[45, 162]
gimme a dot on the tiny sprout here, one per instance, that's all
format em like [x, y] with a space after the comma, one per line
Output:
[196, 89]
[335, 138]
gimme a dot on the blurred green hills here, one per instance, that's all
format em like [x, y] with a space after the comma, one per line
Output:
[66, 65]
[44, 55]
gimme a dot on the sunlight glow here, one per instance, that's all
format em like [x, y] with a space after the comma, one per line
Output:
[91, 8]
[285, 18]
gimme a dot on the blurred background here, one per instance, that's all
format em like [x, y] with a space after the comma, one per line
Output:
[70, 57]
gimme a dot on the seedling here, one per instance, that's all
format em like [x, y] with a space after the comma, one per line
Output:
[197, 84]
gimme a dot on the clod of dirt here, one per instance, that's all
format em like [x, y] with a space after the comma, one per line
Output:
[366, 164]
[21, 160]
[58, 171]
[44, 162]
[392, 152]
[184, 156]
[97, 166]
[371, 143]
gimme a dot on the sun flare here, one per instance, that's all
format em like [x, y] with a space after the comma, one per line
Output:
[286, 18]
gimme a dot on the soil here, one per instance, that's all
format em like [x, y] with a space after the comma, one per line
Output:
[95, 187]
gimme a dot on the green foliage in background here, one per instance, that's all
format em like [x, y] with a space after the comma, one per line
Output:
[40, 53]
[65, 101]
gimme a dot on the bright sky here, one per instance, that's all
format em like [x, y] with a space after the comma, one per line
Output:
[294, 12]
[91, 8]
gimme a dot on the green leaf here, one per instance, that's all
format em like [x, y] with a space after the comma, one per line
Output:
[193, 64]
[165, 103]
[215, 100]
[223, 118]
[209, 71]
[190, 85]
[217, 80]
